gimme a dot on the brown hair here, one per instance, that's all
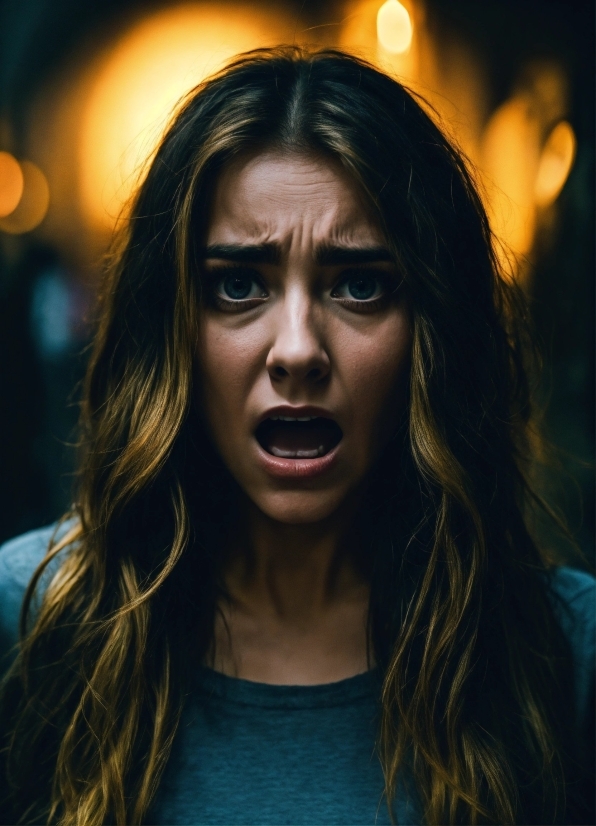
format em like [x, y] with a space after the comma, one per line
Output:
[472, 701]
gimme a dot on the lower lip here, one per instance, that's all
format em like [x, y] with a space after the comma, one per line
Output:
[296, 468]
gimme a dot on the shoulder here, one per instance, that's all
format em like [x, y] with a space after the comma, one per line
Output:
[19, 557]
[574, 601]
[18, 560]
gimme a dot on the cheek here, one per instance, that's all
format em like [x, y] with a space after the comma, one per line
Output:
[230, 359]
[374, 367]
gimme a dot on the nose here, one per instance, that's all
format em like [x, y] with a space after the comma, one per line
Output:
[298, 353]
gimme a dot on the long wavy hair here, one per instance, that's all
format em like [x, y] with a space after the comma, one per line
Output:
[474, 704]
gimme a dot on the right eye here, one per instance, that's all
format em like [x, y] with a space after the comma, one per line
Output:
[239, 286]
[235, 289]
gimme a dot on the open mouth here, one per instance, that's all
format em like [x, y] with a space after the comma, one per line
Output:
[307, 437]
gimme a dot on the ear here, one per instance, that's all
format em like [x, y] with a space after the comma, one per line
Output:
[555, 163]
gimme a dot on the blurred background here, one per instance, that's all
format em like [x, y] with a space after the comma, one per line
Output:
[87, 88]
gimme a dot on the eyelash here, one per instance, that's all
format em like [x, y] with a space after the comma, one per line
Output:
[242, 305]
[363, 306]
[239, 306]
[367, 305]
[230, 306]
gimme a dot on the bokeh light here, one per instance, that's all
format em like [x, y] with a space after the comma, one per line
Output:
[386, 34]
[33, 204]
[518, 158]
[394, 27]
[140, 83]
[11, 183]
[96, 127]
[557, 159]
[521, 174]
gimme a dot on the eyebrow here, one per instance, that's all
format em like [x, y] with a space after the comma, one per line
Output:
[244, 253]
[269, 253]
[329, 255]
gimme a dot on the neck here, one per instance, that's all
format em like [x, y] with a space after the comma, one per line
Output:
[297, 605]
[292, 569]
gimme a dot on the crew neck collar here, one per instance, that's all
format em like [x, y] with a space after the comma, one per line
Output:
[245, 692]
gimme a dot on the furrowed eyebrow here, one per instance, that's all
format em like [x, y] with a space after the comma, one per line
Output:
[244, 253]
[328, 255]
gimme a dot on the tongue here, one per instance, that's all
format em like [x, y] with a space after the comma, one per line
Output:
[300, 440]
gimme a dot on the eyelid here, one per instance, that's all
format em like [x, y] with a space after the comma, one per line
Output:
[238, 306]
[384, 278]
[371, 305]
[376, 272]
[389, 282]
[218, 272]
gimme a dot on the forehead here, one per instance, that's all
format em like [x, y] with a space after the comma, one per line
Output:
[276, 195]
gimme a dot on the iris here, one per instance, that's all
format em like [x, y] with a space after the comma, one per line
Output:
[362, 287]
[237, 286]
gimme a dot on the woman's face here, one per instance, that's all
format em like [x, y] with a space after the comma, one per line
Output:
[305, 339]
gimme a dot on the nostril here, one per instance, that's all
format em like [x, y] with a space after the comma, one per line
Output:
[280, 372]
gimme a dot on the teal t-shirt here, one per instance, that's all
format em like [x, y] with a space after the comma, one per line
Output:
[250, 753]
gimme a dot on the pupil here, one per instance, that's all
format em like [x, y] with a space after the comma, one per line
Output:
[362, 287]
[237, 286]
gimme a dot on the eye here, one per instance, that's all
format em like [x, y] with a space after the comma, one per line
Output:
[363, 287]
[360, 287]
[239, 286]
[235, 289]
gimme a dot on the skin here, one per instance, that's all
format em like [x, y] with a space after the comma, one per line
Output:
[298, 606]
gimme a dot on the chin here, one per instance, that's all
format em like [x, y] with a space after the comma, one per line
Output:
[299, 507]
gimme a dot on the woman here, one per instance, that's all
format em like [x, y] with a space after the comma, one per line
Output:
[297, 585]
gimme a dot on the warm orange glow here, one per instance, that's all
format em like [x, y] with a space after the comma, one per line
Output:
[386, 34]
[394, 27]
[509, 172]
[520, 167]
[522, 174]
[11, 183]
[34, 202]
[555, 164]
[358, 29]
[140, 83]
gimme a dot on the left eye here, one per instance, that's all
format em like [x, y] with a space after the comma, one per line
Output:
[360, 287]
[239, 287]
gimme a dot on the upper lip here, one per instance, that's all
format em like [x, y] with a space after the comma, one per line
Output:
[297, 412]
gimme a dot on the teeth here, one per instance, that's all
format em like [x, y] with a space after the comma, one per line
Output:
[298, 454]
[292, 418]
